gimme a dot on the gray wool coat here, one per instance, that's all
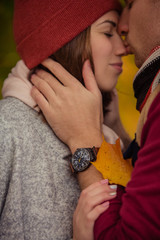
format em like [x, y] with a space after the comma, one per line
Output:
[38, 192]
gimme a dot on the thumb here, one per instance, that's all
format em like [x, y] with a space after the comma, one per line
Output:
[91, 84]
[89, 78]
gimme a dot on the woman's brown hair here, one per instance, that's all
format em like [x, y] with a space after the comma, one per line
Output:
[72, 55]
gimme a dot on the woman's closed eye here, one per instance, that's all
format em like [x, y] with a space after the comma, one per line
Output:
[109, 35]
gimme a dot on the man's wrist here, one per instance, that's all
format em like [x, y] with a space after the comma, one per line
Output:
[86, 141]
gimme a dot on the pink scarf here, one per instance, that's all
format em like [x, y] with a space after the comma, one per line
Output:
[17, 85]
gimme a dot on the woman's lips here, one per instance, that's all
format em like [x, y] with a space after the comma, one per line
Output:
[117, 66]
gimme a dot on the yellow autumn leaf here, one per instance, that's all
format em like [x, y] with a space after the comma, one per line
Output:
[112, 165]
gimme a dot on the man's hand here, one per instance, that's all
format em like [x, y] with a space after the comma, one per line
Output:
[73, 111]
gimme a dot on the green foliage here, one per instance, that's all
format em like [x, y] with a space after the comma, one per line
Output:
[8, 55]
[122, 2]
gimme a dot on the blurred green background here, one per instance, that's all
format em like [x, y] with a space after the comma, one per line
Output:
[8, 58]
[8, 55]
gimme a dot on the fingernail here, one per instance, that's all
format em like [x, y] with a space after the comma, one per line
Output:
[32, 77]
[112, 193]
[104, 181]
[113, 186]
[105, 204]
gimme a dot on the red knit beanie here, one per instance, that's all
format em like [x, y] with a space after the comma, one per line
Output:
[41, 27]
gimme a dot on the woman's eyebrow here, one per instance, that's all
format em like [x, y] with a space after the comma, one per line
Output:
[109, 21]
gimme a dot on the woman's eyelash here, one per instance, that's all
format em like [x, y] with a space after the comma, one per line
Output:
[108, 34]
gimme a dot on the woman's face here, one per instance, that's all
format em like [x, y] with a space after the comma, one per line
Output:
[107, 50]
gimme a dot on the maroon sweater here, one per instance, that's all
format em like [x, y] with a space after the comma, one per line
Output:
[135, 212]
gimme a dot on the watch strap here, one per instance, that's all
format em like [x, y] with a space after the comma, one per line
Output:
[93, 153]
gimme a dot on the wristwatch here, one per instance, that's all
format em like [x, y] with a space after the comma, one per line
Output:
[82, 158]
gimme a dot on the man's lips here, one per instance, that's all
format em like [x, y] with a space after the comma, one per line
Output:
[128, 50]
[127, 47]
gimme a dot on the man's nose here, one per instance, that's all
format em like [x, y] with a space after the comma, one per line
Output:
[123, 23]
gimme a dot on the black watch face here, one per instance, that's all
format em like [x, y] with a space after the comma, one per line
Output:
[80, 160]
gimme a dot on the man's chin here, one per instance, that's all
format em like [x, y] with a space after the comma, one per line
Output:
[137, 61]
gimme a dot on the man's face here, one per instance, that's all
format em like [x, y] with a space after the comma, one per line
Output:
[140, 23]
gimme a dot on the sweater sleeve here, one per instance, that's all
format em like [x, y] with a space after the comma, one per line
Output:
[6, 155]
[135, 214]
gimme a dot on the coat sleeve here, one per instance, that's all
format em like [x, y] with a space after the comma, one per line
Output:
[135, 214]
